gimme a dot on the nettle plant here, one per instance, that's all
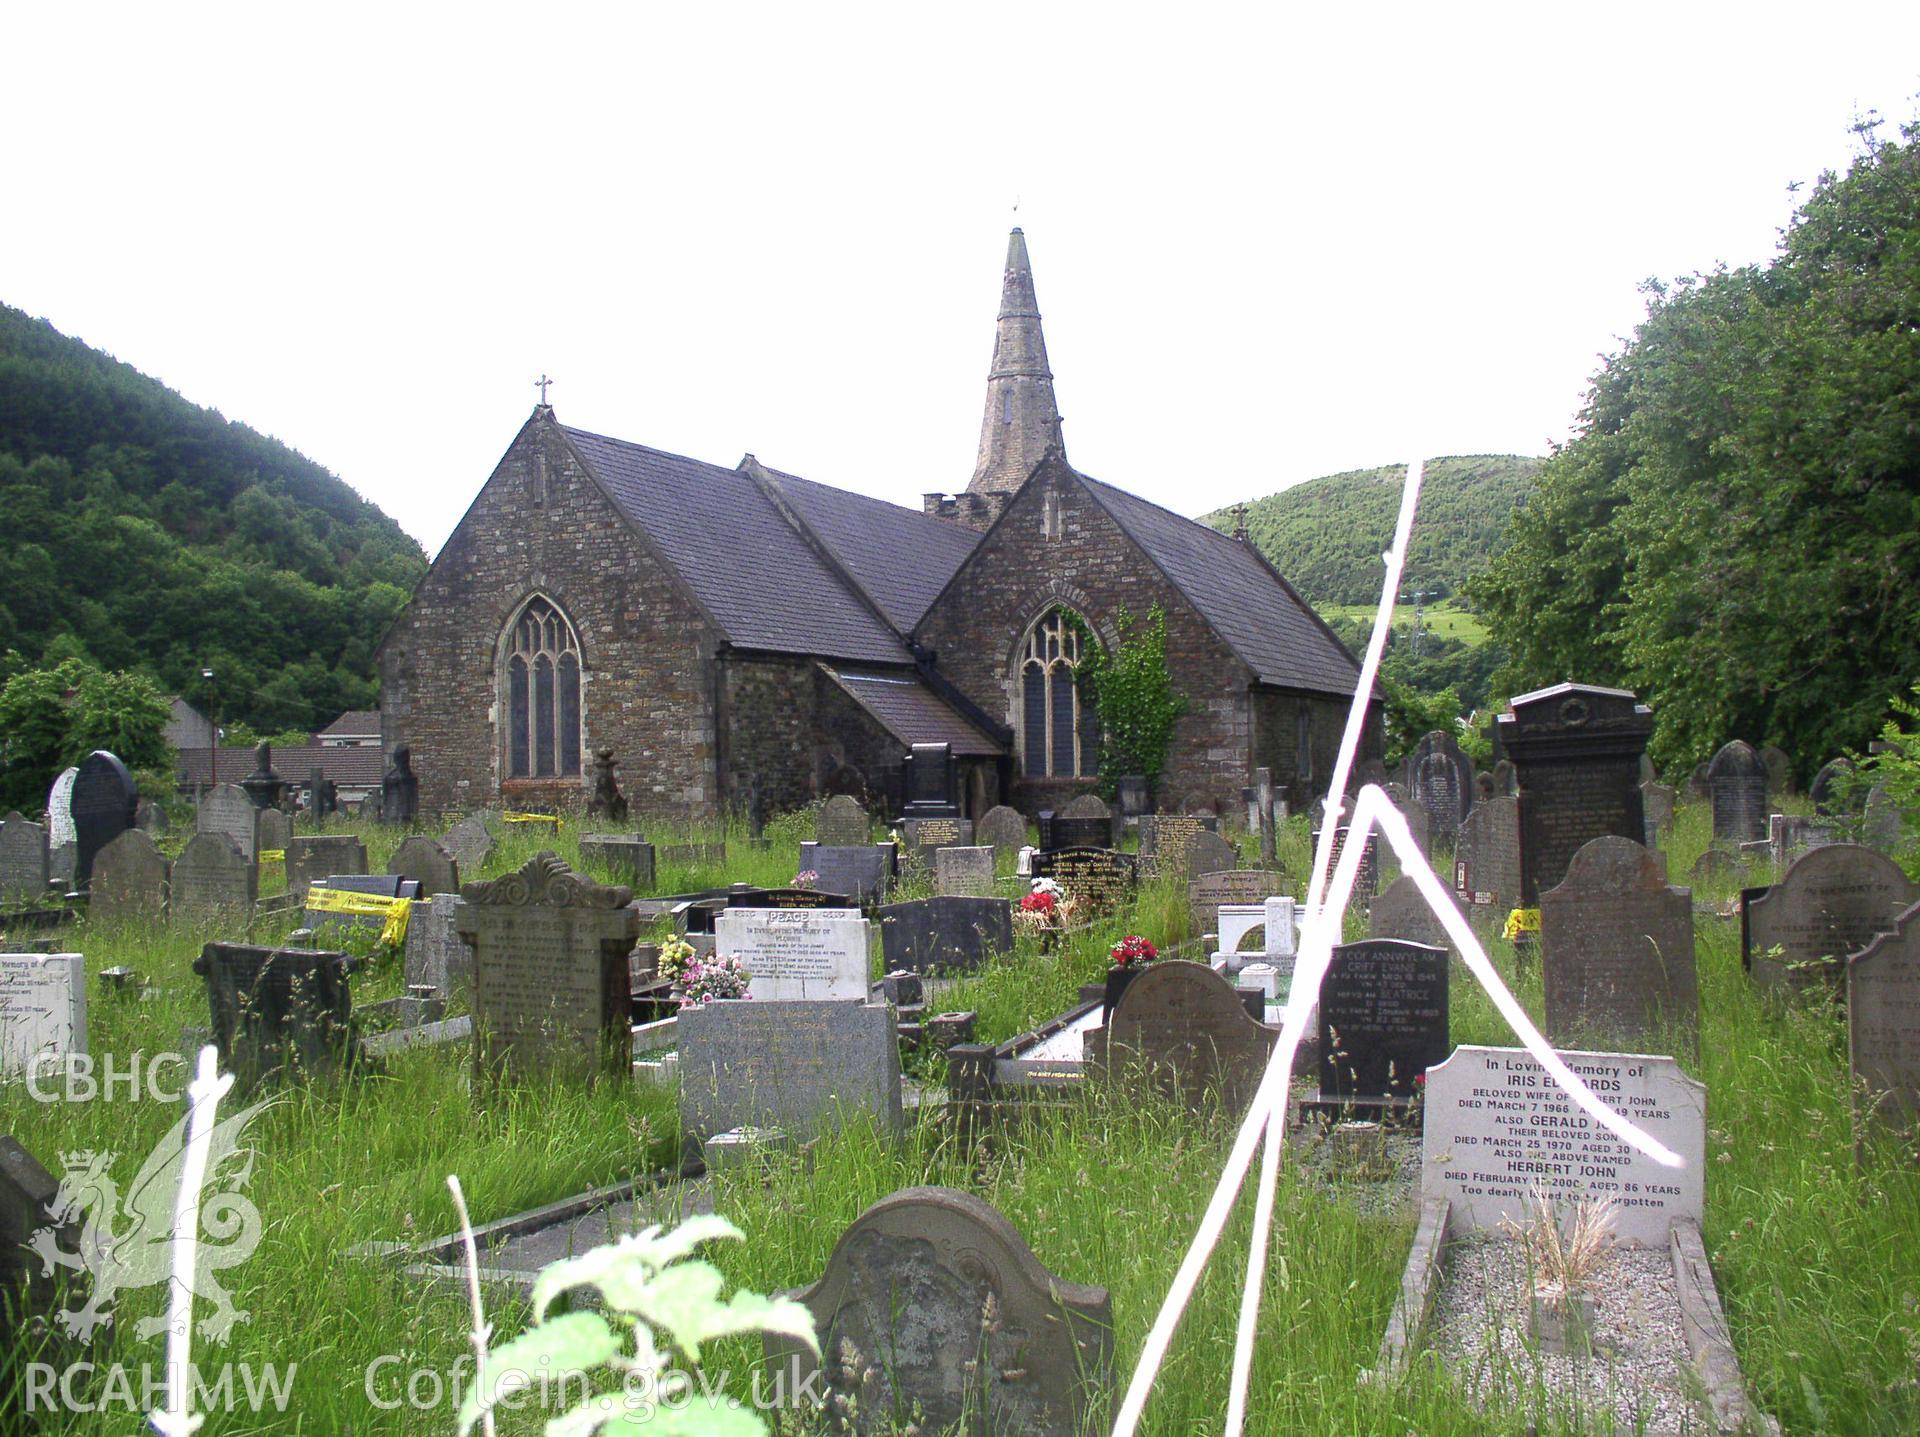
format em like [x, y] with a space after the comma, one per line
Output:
[657, 1306]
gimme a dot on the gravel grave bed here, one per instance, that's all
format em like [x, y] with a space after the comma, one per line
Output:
[1639, 1370]
[1385, 1196]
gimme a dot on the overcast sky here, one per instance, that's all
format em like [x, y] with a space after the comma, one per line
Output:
[1266, 246]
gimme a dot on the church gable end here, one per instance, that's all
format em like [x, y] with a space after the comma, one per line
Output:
[543, 587]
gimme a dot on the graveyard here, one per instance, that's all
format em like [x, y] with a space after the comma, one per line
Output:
[527, 1055]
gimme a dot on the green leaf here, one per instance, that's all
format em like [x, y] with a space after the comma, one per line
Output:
[573, 1341]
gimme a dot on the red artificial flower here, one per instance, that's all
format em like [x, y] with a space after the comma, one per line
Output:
[1133, 949]
[1037, 903]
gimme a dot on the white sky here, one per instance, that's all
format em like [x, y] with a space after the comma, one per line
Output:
[1267, 246]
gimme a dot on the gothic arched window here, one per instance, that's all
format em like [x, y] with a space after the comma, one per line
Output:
[543, 694]
[1059, 737]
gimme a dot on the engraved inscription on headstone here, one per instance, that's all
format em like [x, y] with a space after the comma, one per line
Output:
[1187, 1026]
[211, 881]
[951, 934]
[43, 1009]
[1439, 778]
[1737, 784]
[813, 954]
[436, 957]
[23, 860]
[1616, 949]
[1830, 904]
[427, 864]
[470, 843]
[796, 1066]
[321, 857]
[963, 872]
[1383, 1018]
[842, 823]
[862, 872]
[1206, 894]
[1883, 1021]
[1098, 878]
[60, 809]
[227, 810]
[275, 1009]
[129, 881]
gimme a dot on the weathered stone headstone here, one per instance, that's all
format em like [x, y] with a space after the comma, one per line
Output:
[1402, 912]
[320, 857]
[1206, 894]
[1439, 780]
[399, 788]
[963, 872]
[1367, 881]
[550, 989]
[1832, 790]
[276, 831]
[1486, 856]
[1002, 827]
[23, 860]
[226, 810]
[60, 809]
[988, 1342]
[263, 786]
[43, 1009]
[1616, 947]
[862, 872]
[1098, 878]
[1187, 1026]
[1085, 823]
[1165, 837]
[28, 1193]
[795, 1066]
[275, 1010]
[436, 957]
[1383, 1019]
[426, 863]
[1207, 852]
[1883, 1021]
[129, 881]
[212, 881]
[627, 856]
[1656, 801]
[150, 817]
[842, 823]
[1506, 781]
[1737, 784]
[60, 859]
[922, 837]
[1831, 903]
[103, 803]
[955, 935]
[797, 954]
[606, 800]
[1576, 753]
[470, 843]
[1498, 1128]
[1779, 768]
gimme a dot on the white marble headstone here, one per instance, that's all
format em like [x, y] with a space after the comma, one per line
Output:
[1498, 1127]
[797, 953]
[43, 1008]
[60, 809]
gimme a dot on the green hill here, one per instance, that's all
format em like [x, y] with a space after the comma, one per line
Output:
[1327, 534]
[155, 535]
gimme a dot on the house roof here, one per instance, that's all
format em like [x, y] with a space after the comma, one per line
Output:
[911, 712]
[348, 767]
[354, 723]
[748, 566]
[901, 557]
[1253, 610]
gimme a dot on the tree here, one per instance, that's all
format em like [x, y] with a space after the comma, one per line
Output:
[51, 718]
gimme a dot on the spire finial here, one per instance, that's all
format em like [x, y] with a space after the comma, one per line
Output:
[1240, 522]
[541, 383]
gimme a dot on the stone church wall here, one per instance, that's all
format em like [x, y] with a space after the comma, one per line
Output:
[1080, 558]
[1276, 741]
[540, 524]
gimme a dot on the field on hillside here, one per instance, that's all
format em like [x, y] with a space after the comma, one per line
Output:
[1443, 620]
[1818, 1258]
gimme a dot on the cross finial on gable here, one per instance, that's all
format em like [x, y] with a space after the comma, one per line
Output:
[543, 382]
[1240, 522]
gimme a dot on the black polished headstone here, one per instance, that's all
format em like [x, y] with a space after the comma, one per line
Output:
[104, 803]
[275, 1009]
[1383, 1019]
[930, 782]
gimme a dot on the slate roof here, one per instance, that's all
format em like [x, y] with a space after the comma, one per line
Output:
[1258, 616]
[354, 723]
[901, 557]
[347, 765]
[911, 712]
[762, 582]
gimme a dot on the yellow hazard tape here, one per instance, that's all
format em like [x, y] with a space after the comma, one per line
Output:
[273, 855]
[1522, 920]
[552, 818]
[336, 900]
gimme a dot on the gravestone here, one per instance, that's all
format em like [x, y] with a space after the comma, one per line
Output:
[435, 955]
[212, 881]
[1498, 1128]
[104, 799]
[978, 1337]
[1486, 856]
[1779, 768]
[1831, 903]
[1717, 868]
[1207, 852]
[1648, 773]
[963, 872]
[1269, 926]
[606, 800]
[796, 1066]
[862, 872]
[276, 831]
[379, 885]
[928, 778]
[627, 856]
[60, 809]
[1882, 825]
[920, 837]
[23, 860]
[470, 844]
[1099, 879]
[276, 1010]
[842, 823]
[1416, 817]
[1165, 838]
[549, 971]
[1383, 1019]
[1656, 801]
[399, 788]
[1506, 782]
[226, 810]
[1576, 753]
[129, 881]
[43, 1010]
[323, 795]
[1084, 823]
[263, 786]
[320, 857]
[1367, 881]
[1616, 948]
[1187, 1026]
[1206, 894]
[955, 935]
[1883, 1022]
[1002, 827]
[1832, 790]
[788, 898]
[1402, 912]
[426, 863]
[1737, 784]
[797, 954]
[28, 1193]
[1439, 780]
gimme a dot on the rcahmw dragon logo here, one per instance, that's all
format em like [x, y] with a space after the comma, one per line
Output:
[128, 1243]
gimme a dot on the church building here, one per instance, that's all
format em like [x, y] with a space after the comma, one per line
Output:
[745, 640]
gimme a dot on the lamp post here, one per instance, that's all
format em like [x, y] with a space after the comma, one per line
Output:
[213, 733]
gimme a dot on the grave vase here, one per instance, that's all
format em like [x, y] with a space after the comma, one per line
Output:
[1562, 1319]
[1118, 977]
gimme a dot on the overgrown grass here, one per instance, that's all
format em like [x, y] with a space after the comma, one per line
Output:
[1818, 1258]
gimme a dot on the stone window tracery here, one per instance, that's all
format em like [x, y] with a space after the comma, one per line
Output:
[542, 726]
[1059, 736]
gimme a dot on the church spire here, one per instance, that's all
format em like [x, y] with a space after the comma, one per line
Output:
[1022, 420]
